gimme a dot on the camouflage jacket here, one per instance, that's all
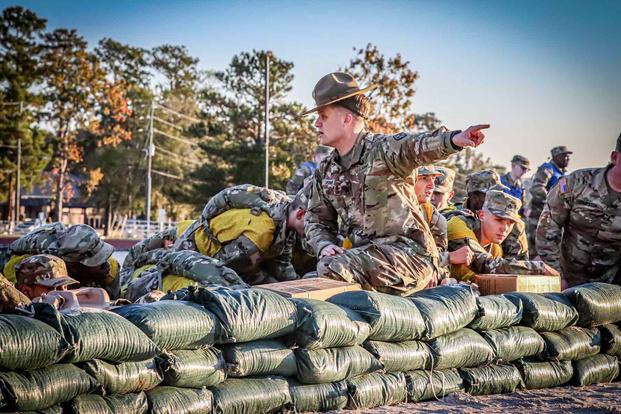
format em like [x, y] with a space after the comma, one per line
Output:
[579, 231]
[39, 241]
[544, 179]
[156, 241]
[296, 182]
[371, 190]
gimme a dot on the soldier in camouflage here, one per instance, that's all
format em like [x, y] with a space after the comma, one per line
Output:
[296, 182]
[544, 180]
[443, 191]
[513, 179]
[483, 233]
[579, 231]
[42, 273]
[364, 182]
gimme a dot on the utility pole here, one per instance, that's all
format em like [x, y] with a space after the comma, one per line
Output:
[19, 170]
[150, 154]
[266, 122]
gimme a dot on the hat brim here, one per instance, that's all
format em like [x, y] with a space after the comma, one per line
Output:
[358, 92]
[100, 257]
[57, 281]
[442, 189]
[505, 214]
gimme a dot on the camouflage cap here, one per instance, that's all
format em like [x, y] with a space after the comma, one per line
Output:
[483, 181]
[302, 197]
[81, 243]
[42, 269]
[428, 170]
[502, 205]
[521, 160]
[444, 182]
[562, 149]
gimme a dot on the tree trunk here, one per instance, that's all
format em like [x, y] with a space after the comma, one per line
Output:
[60, 183]
[108, 217]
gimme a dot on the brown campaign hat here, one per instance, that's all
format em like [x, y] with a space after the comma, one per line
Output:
[502, 205]
[335, 87]
[43, 269]
[562, 149]
[521, 160]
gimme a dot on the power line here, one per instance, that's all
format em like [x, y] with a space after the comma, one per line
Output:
[170, 124]
[177, 157]
[187, 141]
[189, 118]
[177, 177]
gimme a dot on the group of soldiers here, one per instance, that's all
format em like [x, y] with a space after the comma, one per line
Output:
[372, 209]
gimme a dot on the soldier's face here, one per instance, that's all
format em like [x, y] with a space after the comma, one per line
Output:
[441, 200]
[330, 124]
[518, 170]
[562, 160]
[424, 188]
[494, 228]
[295, 221]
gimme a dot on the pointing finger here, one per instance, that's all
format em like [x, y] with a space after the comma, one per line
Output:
[479, 127]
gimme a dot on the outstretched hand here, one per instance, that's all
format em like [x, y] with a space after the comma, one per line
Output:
[471, 137]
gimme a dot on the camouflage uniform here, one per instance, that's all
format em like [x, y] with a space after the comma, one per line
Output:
[579, 230]
[368, 188]
[37, 241]
[487, 259]
[444, 184]
[304, 171]
[10, 297]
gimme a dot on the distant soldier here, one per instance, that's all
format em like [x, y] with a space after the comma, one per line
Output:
[423, 187]
[42, 273]
[579, 231]
[443, 191]
[513, 179]
[544, 180]
[305, 170]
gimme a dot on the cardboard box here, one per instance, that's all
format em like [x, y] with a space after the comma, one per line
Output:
[314, 288]
[494, 284]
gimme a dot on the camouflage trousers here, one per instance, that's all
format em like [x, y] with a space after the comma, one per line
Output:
[531, 233]
[396, 268]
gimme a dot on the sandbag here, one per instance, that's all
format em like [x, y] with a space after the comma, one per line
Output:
[546, 374]
[249, 314]
[169, 400]
[446, 309]
[495, 312]
[98, 335]
[334, 364]
[26, 343]
[610, 339]
[113, 404]
[597, 303]
[572, 343]
[56, 409]
[545, 312]
[173, 325]
[251, 395]
[392, 318]
[595, 369]
[43, 387]
[124, 378]
[428, 385]
[493, 379]
[318, 397]
[376, 389]
[193, 368]
[266, 357]
[400, 356]
[464, 348]
[514, 342]
[326, 325]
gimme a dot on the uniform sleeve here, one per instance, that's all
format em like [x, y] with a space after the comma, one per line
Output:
[540, 181]
[321, 218]
[297, 181]
[550, 228]
[439, 230]
[515, 245]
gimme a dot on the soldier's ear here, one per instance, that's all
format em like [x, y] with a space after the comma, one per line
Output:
[615, 158]
[451, 195]
[299, 214]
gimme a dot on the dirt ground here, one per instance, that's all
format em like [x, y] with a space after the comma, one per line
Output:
[594, 399]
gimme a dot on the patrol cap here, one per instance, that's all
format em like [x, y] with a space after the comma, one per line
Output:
[521, 160]
[302, 197]
[502, 205]
[428, 170]
[483, 181]
[81, 243]
[444, 182]
[562, 149]
[43, 269]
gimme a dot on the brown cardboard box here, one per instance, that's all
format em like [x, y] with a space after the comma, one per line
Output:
[314, 288]
[493, 284]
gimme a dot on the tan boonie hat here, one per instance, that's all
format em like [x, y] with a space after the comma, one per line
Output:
[521, 160]
[559, 150]
[428, 170]
[483, 181]
[444, 183]
[502, 205]
[81, 243]
[334, 87]
[43, 269]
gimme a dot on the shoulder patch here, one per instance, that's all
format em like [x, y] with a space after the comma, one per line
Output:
[400, 136]
[563, 186]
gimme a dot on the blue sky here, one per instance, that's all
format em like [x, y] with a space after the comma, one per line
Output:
[543, 73]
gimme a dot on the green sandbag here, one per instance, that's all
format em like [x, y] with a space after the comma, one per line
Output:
[400, 356]
[464, 348]
[114, 404]
[545, 312]
[266, 357]
[249, 314]
[547, 374]
[26, 343]
[124, 378]
[334, 364]
[392, 318]
[173, 325]
[572, 343]
[495, 312]
[194, 368]
[376, 389]
[514, 342]
[56, 409]
[251, 395]
[446, 309]
[595, 370]
[597, 303]
[326, 325]
[318, 397]
[98, 335]
[428, 385]
[169, 400]
[44, 387]
[611, 339]
[493, 379]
